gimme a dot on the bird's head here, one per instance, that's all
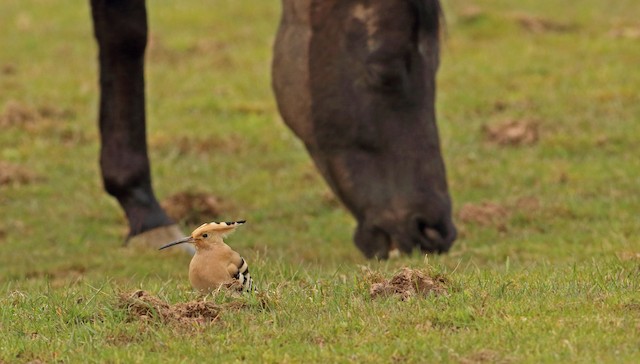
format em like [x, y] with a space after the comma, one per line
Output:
[207, 234]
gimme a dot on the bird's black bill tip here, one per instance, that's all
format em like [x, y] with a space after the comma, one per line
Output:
[181, 241]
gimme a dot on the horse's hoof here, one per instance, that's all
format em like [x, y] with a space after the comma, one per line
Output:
[155, 238]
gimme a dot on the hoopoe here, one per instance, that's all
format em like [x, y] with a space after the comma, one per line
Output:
[215, 263]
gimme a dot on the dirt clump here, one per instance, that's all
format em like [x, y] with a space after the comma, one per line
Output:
[537, 25]
[408, 283]
[192, 207]
[484, 213]
[141, 305]
[55, 113]
[8, 69]
[512, 133]
[13, 174]
[471, 13]
[483, 356]
[59, 277]
[527, 204]
[628, 255]
[188, 145]
[631, 32]
[17, 114]
[497, 215]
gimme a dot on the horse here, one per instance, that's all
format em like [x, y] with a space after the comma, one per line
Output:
[353, 79]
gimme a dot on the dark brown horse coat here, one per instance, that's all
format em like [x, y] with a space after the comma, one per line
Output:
[354, 79]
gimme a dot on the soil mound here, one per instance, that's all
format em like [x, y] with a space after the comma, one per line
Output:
[484, 213]
[192, 208]
[13, 174]
[512, 133]
[408, 283]
[142, 305]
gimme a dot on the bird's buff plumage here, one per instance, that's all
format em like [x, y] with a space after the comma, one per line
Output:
[215, 263]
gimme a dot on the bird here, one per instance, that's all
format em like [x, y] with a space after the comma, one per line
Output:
[215, 264]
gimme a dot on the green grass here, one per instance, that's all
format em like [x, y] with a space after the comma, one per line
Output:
[555, 282]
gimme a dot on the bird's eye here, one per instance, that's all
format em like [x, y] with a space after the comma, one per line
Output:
[205, 235]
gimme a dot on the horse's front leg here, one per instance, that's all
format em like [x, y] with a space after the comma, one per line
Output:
[120, 28]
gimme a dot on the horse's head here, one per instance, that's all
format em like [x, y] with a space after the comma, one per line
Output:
[355, 80]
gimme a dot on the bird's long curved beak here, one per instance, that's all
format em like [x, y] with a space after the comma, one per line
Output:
[188, 239]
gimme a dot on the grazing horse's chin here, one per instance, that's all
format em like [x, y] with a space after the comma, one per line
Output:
[394, 211]
[377, 236]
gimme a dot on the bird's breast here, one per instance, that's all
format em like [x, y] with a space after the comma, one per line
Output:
[206, 274]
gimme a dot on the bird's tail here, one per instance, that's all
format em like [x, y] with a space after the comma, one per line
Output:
[244, 277]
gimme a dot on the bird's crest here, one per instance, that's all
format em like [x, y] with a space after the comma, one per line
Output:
[219, 228]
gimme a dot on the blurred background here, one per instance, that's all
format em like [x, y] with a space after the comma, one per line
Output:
[538, 109]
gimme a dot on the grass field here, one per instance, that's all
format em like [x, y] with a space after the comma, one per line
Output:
[546, 268]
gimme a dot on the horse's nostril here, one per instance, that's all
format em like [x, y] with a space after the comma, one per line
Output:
[426, 229]
[433, 237]
[422, 226]
[432, 234]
